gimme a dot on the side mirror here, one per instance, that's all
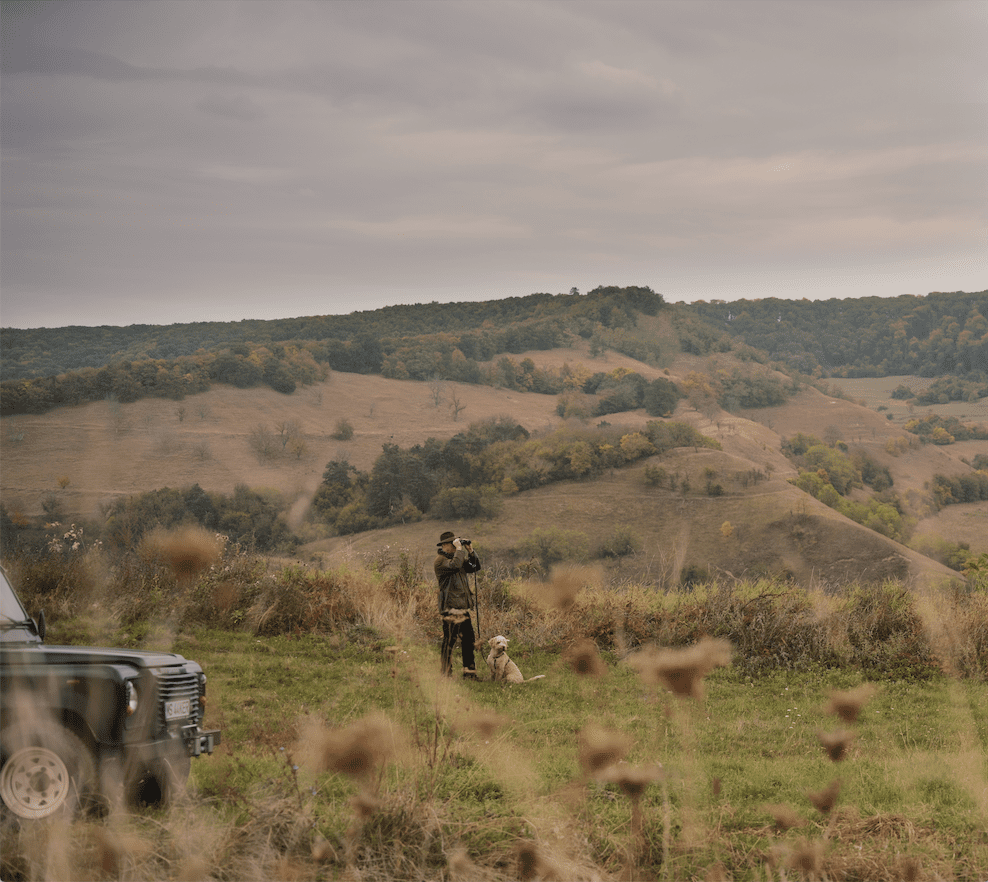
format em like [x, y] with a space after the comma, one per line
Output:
[42, 625]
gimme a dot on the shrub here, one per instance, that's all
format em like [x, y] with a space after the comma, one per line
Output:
[354, 518]
[692, 575]
[951, 554]
[655, 476]
[552, 544]
[620, 543]
[456, 503]
[343, 430]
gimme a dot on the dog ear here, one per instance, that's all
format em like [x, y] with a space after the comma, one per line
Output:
[491, 642]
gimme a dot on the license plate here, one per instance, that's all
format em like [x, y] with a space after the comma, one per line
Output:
[176, 710]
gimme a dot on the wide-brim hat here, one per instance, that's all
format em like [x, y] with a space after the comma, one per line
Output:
[446, 537]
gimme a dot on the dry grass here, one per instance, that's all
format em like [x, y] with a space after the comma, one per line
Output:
[402, 815]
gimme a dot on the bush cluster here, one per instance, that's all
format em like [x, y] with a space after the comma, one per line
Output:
[876, 628]
[829, 473]
[468, 475]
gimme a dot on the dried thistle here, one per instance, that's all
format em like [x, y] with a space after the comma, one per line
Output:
[225, 595]
[585, 660]
[681, 671]
[601, 748]
[115, 847]
[193, 868]
[528, 861]
[847, 705]
[187, 551]
[907, 868]
[836, 744]
[355, 751]
[785, 817]
[565, 583]
[323, 851]
[365, 805]
[807, 857]
[632, 781]
[825, 800]
[484, 722]
[460, 866]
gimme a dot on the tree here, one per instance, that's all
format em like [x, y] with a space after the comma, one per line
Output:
[661, 397]
[397, 475]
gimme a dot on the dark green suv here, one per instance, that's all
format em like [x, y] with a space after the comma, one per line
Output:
[84, 726]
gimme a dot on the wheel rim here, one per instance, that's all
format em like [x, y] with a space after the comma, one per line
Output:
[35, 782]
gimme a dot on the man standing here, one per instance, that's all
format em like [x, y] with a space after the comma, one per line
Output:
[455, 559]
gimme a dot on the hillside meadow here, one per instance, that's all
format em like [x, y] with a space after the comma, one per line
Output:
[740, 730]
[78, 460]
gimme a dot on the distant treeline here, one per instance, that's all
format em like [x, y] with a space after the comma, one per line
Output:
[932, 336]
[352, 341]
[448, 342]
[940, 335]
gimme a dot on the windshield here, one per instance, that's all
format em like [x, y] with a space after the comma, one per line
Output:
[11, 611]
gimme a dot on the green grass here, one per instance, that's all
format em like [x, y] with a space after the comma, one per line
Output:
[753, 742]
[478, 781]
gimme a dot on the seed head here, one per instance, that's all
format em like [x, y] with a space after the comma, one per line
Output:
[807, 857]
[355, 751]
[681, 671]
[365, 804]
[633, 780]
[528, 861]
[322, 850]
[785, 817]
[907, 868]
[460, 865]
[564, 585]
[484, 722]
[825, 800]
[585, 660]
[847, 705]
[836, 744]
[601, 748]
[188, 551]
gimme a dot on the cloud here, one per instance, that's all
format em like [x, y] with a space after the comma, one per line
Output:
[236, 107]
[286, 154]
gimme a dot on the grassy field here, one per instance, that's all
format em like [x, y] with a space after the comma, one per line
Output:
[346, 756]
[485, 772]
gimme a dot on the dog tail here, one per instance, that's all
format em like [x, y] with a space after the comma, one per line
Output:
[536, 677]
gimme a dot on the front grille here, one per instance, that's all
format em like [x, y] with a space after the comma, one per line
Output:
[178, 687]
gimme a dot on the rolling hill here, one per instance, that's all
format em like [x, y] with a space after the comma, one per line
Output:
[85, 456]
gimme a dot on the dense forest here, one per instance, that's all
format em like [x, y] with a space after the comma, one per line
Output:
[940, 335]
[512, 324]
[932, 336]
[43, 369]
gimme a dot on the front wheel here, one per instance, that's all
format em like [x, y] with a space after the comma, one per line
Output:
[45, 773]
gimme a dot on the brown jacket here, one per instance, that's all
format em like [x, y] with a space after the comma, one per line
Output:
[451, 573]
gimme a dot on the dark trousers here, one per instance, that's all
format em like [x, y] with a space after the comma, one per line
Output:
[464, 632]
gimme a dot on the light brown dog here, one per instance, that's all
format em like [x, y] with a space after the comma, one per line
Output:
[503, 669]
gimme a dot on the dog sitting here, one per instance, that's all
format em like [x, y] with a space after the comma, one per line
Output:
[503, 669]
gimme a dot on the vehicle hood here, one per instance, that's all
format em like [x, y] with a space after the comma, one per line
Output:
[91, 655]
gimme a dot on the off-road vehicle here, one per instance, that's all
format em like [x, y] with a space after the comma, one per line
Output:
[85, 726]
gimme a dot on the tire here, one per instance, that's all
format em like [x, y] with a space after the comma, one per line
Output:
[46, 773]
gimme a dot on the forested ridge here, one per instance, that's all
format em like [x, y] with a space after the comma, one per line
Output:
[930, 336]
[45, 352]
[939, 335]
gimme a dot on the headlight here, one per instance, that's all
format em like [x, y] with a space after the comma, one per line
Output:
[130, 690]
[202, 695]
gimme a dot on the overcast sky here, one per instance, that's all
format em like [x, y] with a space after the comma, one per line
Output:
[218, 160]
